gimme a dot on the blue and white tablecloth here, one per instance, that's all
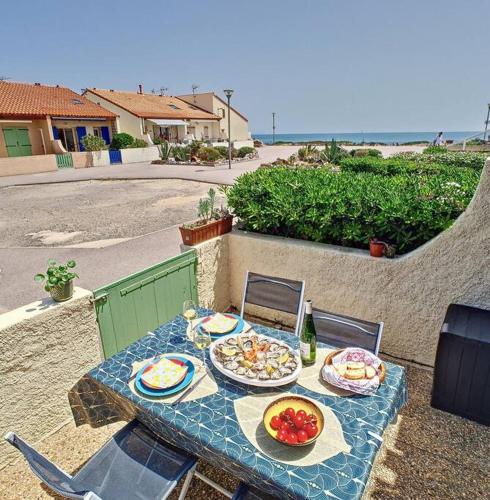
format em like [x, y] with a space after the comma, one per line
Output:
[208, 427]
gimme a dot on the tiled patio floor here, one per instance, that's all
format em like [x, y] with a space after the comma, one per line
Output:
[427, 454]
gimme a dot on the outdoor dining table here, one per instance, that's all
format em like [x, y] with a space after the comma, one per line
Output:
[210, 429]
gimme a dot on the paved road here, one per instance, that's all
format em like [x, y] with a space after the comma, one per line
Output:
[145, 170]
[99, 266]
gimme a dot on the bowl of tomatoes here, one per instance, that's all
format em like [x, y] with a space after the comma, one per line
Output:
[293, 420]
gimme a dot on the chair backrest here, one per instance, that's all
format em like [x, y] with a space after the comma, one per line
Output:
[344, 331]
[58, 480]
[280, 294]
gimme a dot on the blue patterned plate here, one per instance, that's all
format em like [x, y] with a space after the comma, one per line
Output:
[171, 390]
[238, 328]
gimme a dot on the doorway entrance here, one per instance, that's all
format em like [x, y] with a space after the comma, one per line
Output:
[17, 142]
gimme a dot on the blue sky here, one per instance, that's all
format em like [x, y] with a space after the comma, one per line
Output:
[322, 65]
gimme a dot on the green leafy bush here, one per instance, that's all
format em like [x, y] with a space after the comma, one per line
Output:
[181, 153]
[93, 143]
[138, 143]
[208, 154]
[435, 149]
[194, 147]
[121, 141]
[349, 208]
[308, 153]
[391, 166]
[222, 150]
[165, 150]
[454, 158]
[375, 153]
[56, 274]
[244, 151]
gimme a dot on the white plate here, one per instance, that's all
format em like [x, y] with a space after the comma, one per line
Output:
[255, 382]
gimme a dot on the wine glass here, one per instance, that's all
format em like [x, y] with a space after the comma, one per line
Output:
[202, 339]
[189, 311]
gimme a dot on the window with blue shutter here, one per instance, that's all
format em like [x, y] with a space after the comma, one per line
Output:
[105, 134]
[81, 133]
[56, 136]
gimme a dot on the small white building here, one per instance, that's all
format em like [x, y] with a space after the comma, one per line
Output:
[210, 102]
[151, 116]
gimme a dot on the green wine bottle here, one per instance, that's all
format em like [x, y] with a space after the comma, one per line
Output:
[307, 344]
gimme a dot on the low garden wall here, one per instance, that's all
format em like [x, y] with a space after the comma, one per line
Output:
[27, 165]
[46, 348]
[410, 293]
[133, 155]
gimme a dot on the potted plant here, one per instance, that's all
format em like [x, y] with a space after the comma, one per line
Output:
[59, 280]
[376, 247]
[211, 222]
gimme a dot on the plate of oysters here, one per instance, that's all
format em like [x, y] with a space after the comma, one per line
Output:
[255, 359]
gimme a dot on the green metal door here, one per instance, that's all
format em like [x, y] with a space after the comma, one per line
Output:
[17, 142]
[129, 308]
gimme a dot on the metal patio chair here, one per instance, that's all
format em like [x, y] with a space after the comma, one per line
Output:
[344, 331]
[275, 293]
[133, 464]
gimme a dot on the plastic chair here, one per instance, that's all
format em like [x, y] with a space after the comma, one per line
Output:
[279, 294]
[344, 331]
[134, 464]
[247, 492]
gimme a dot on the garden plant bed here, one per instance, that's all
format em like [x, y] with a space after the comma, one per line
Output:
[202, 163]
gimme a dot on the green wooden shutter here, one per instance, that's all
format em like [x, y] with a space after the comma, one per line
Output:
[24, 142]
[129, 308]
[17, 142]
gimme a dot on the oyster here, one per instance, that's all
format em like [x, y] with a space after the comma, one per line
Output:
[264, 375]
[276, 375]
[251, 373]
[273, 363]
[274, 346]
[231, 341]
[285, 371]
[241, 370]
[231, 365]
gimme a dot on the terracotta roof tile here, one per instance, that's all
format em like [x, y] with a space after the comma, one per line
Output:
[33, 100]
[154, 106]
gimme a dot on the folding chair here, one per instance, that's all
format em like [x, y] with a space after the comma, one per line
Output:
[344, 331]
[135, 463]
[279, 294]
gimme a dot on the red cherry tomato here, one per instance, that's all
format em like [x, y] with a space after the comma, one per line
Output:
[286, 426]
[276, 423]
[301, 413]
[302, 436]
[292, 438]
[290, 412]
[311, 430]
[299, 421]
[282, 435]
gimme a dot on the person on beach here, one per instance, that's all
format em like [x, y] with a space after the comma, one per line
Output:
[438, 141]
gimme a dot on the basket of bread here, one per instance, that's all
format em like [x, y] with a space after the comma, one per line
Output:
[354, 369]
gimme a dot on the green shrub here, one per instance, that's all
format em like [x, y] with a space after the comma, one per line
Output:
[93, 143]
[244, 151]
[194, 147]
[181, 153]
[454, 158]
[223, 151]
[139, 143]
[348, 208]
[391, 166]
[308, 153]
[165, 150]
[208, 154]
[435, 149]
[375, 153]
[121, 141]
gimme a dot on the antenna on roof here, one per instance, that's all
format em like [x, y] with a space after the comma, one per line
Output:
[4, 78]
[194, 88]
[153, 91]
[163, 90]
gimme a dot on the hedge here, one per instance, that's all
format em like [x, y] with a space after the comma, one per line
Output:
[392, 166]
[453, 158]
[348, 208]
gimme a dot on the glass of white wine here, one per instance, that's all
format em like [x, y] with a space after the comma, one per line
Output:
[202, 340]
[189, 311]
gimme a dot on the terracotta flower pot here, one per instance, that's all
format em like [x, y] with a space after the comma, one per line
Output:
[194, 235]
[376, 248]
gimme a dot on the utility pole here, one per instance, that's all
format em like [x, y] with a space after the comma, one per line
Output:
[228, 93]
[273, 127]
[487, 122]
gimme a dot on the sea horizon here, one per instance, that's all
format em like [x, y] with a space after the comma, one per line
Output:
[388, 138]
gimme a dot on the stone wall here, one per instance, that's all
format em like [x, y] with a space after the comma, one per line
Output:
[46, 348]
[410, 293]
